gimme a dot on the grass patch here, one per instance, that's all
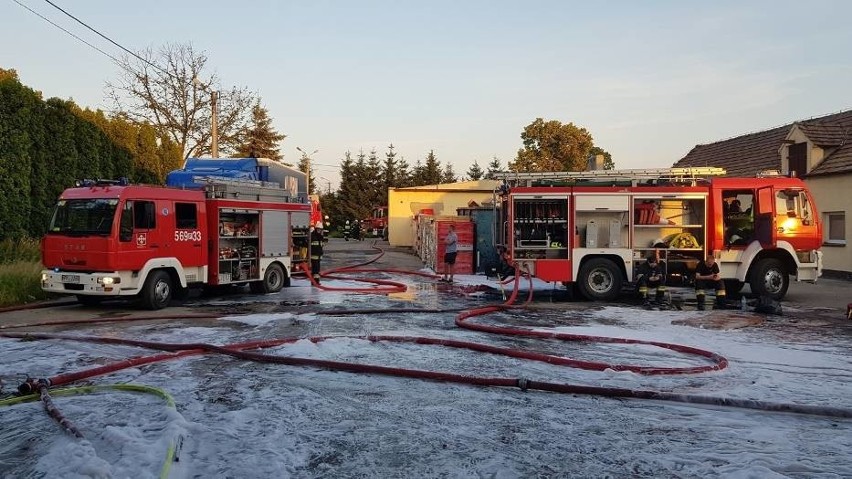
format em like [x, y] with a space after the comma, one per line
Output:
[25, 249]
[20, 272]
[20, 283]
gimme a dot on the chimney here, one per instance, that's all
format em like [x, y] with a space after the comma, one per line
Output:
[596, 162]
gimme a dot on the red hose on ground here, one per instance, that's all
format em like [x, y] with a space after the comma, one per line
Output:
[239, 351]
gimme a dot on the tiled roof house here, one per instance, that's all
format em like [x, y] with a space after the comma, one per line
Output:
[818, 150]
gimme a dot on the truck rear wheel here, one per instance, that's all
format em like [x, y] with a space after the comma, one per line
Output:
[273, 280]
[600, 280]
[157, 292]
[769, 278]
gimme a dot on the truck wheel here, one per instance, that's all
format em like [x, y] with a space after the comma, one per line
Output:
[600, 280]
[769, 278]
[273, 280]
[87, 300]
[157, 291]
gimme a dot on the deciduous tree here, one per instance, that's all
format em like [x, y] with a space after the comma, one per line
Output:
[552, 146]
[170, 89]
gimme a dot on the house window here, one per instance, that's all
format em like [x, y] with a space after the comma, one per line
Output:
[835, 222]
[797, 157]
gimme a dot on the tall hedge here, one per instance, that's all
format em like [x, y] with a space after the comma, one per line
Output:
[46, 145]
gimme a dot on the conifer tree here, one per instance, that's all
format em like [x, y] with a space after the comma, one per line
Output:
[494, 167]
[374, 172]
[432, 174]
[389, 173]
[418, 174]
[403, 174]
[348, 188]
[260, 140]
[474, 173]
[448, 175]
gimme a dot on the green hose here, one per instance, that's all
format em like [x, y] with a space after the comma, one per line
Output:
[170, 403]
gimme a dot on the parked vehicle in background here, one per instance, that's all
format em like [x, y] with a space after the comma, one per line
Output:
[377, 223]
[594, 228]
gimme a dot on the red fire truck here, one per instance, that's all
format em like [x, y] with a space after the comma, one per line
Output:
[111, 238]
[377, 222]
[594, 228]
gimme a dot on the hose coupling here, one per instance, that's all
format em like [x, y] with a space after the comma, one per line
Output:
[523, 383]
[32, 386]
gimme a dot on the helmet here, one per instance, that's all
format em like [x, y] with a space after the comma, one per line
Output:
[347, 222]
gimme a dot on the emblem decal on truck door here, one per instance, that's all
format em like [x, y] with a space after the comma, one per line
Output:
[141, 239]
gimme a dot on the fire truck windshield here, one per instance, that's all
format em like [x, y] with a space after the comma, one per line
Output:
[82, 217]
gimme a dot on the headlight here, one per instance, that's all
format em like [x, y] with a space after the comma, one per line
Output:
[106, 281]
[44, 277]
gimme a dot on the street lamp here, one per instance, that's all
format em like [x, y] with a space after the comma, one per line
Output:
[307, 158]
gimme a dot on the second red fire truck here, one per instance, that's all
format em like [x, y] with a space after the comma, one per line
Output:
[112, 239]
[594, 228]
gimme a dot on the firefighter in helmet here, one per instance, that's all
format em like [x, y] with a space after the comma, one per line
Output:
[707, 276]
[651, 275]
[347, 229]
[326, 229]
[316, 250]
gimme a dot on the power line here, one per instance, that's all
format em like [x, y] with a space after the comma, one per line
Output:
[117, 62]
[106, 37]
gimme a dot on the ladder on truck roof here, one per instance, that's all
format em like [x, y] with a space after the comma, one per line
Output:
[236, 189]
[680, 175]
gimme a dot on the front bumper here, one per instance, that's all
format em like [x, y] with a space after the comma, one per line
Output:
[72, 282]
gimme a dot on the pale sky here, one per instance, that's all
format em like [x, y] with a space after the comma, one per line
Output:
[649, 79]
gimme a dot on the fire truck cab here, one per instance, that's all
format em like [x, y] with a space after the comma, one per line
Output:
[594, 228]
[111, 238]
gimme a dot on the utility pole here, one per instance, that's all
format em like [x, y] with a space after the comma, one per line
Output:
[214, 122]
[307, 158]
[214, 103]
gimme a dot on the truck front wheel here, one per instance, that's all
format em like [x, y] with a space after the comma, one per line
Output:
[769, 278]
[157, 291]
[600, 280]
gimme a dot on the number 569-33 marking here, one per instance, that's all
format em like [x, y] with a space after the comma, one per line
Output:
[188, 235]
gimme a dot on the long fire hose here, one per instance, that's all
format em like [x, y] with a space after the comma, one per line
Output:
[241, 351]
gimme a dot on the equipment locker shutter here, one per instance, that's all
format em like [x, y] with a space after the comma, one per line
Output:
[274, 241]
[601, 202]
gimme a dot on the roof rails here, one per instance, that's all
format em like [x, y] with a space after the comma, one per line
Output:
[691, 175]
[232, 188]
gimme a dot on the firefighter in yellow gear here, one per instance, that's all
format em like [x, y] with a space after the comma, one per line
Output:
[316, 250]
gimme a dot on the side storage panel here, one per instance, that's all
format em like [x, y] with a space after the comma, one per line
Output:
[275, 237]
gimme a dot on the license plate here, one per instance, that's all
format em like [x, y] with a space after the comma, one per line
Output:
[70, 278]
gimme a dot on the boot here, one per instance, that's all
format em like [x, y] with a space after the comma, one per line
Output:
[660, 297]
[721, 302]
[646, 303]
[699, 298]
